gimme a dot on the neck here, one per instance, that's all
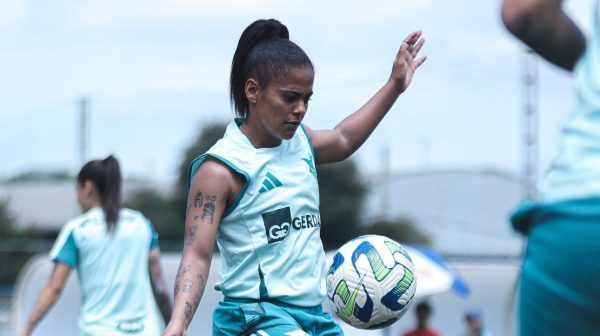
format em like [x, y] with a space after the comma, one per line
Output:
[92, 204]
[257, 135]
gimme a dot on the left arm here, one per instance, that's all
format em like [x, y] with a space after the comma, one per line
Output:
[544, 27]
[159, 288]
[339, 143]
[48, 296]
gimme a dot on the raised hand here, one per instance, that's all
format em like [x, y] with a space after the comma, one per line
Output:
[406, 62]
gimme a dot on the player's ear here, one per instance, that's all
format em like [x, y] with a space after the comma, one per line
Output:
[88, 186]
[252, 89]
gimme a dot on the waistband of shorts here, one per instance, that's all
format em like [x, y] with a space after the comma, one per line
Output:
[310, 310]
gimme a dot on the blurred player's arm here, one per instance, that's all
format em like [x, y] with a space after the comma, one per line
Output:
[339, 143]
[48, 296]
[208, 196]
[159, 288]
[545, 27]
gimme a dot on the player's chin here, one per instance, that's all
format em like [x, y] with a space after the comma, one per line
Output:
[289, 131]
[288, 136]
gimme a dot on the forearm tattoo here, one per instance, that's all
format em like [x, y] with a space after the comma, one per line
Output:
[180, 272]
[187, 285]
[188, 311]
[197, 300]
[201, 281]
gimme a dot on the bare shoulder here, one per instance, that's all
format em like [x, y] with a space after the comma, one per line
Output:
[217, 176]
[212, 171]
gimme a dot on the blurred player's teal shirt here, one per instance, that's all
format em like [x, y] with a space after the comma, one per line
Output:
[113, 271]
[576, 172]
[269, 238]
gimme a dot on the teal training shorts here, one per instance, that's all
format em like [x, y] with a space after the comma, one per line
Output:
[560, 282]
[271, 318]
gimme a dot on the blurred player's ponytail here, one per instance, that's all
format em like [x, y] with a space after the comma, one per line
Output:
[105, 175]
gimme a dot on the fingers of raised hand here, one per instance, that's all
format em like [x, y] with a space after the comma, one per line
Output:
[414, 49]
[411, 46]
[420, 61]
[412, 38]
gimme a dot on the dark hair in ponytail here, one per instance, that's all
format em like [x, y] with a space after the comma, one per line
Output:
[105, 175]
[264, 52]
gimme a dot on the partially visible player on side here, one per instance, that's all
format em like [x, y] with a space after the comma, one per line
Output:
[115, 252]
[559, 291]
[255, 192]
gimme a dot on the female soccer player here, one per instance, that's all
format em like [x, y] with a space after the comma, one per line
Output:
[256, 191]
[116, 254]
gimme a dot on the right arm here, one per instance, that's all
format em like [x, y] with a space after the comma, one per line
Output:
[208, 197]
[48, 296]
[157, 282]
[544, 27]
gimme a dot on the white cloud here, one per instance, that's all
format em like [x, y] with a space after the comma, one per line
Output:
[13, 13]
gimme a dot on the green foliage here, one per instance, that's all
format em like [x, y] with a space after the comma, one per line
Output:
[11, 262]
[37, 176]
[208, 136]
[159, 209]
[342, 193]
[7, 221]
[402, 230]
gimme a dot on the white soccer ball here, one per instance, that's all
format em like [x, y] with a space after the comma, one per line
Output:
[371, 282]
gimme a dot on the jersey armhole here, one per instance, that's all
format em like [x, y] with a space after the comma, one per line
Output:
[312, 149]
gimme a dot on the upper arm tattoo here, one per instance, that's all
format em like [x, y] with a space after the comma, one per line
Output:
[198, 200]
[209, 208]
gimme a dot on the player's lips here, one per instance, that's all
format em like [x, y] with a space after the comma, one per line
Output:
[294, 123]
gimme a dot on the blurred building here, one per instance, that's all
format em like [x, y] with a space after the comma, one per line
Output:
[465, 212]
[48, 205]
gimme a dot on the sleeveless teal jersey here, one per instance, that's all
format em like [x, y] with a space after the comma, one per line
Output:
[269, 239]
[576, 171]
[116, 296]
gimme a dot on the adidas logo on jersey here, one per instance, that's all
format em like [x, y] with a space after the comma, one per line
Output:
[270, 182]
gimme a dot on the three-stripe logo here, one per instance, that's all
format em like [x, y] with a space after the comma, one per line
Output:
[270, 182]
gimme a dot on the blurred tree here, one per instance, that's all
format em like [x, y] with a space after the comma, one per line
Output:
[7, 221]
[402, 230]
[37, 176]
[342, 192]
[208, 136]
[157, 208]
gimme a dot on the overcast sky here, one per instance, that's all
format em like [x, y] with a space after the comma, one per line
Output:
[155, 71]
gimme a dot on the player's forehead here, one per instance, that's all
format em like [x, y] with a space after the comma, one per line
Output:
[297, 79]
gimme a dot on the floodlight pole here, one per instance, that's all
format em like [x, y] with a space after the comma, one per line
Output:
[83, 130]
[530, 123]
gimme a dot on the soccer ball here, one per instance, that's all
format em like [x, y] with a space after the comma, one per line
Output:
[371, 282]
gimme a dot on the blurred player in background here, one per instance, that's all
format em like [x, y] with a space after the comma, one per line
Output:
[115, 252]
[559, 291]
